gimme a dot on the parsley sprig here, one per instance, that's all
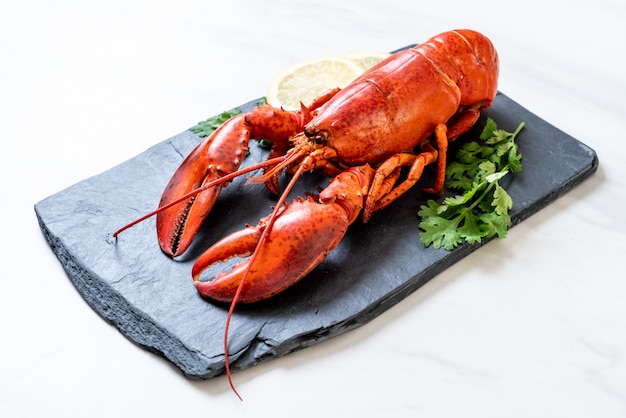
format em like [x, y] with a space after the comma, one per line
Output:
[206, 127]
[482, 208]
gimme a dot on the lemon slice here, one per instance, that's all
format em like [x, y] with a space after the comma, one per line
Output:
[305, 81]
[367, 59]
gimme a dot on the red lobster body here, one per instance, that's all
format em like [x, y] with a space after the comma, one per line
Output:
[400, 113]
[398, 103]
[386, 110]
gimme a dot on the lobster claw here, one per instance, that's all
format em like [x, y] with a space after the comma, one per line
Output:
[303, 233]
[293, 248]
[219, 154]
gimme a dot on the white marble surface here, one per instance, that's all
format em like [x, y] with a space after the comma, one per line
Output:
[534, 325]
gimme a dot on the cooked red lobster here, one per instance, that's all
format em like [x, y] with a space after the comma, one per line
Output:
[400, 113]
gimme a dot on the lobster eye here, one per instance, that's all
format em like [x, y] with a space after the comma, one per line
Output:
[317, 136]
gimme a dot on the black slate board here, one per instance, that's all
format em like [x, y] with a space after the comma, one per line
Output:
[151, 299]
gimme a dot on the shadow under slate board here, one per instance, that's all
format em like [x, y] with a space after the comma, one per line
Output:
[151, 298]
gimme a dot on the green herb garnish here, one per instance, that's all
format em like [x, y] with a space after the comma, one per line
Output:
[205, 128]
[482, 210]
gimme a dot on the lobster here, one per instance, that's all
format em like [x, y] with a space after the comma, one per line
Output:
[398, 116]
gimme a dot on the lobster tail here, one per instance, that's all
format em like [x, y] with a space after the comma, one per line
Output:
[473, 64]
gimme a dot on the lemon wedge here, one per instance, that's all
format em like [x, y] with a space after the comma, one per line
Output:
[305, 81]
[367, 59]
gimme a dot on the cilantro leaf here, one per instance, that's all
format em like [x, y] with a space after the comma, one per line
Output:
[482, 209]
[440, 232]
[502, 202]
[471, 230]
[205, 128]
[488, 130]
[495, 224]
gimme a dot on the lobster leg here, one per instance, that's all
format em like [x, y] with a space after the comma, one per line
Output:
[384, 190]
[462, 123]
[442, 147]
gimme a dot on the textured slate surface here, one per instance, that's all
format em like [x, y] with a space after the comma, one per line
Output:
[151, 298]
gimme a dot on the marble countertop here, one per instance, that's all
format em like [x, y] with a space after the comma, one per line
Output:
[532, 325]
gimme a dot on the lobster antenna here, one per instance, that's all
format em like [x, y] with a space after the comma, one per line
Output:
[204, 187]
[301, 169]
[292, 156]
